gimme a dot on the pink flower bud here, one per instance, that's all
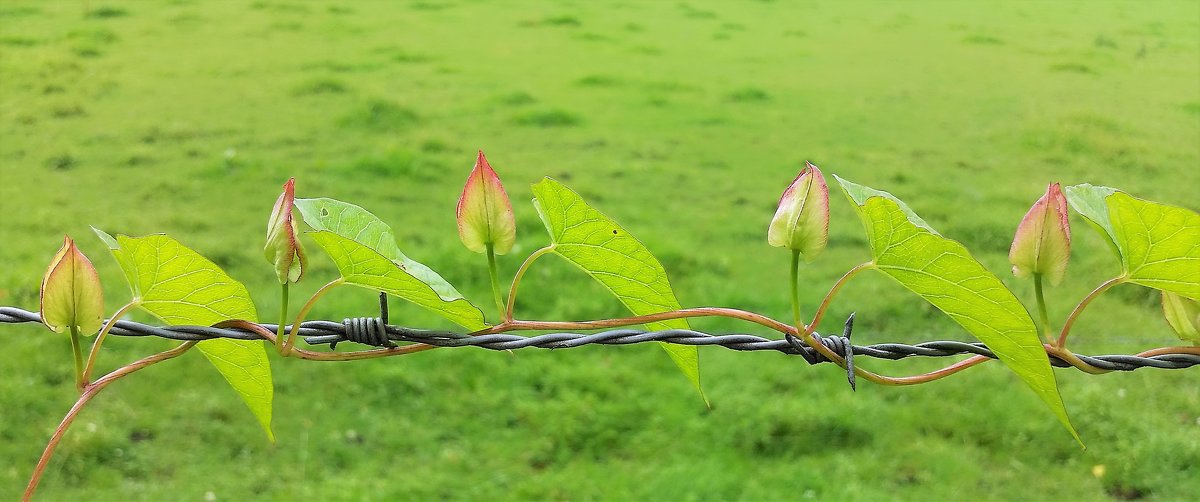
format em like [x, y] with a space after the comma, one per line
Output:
[1043, 241]
[485, 215]
[71, 293]
[283, 247]
[802, 221]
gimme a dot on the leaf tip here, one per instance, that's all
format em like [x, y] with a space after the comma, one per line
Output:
[106, 238]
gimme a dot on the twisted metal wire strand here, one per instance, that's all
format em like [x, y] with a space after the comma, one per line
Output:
[371, 331]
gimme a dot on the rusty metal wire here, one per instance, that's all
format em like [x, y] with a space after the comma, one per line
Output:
[371, 331]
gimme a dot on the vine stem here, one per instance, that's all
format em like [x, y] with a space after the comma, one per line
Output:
[922, 378]
[90, 391]
[77, 351]
[1041, 304]
[795, 286]
[1066, 329]
[91, 361]
[833, 291]
[516, 324]
[811, 341]
[1074, 360]
[286, 348]
[494, 275]
[283, 308]
[1170, 350]
[512, 290]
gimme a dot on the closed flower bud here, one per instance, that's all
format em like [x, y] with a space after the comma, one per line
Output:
[485, 215]
[802, 221]
[283, 247]
[71, 293]
[1043, 241]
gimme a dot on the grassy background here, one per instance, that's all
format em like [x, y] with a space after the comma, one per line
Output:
[684, 121]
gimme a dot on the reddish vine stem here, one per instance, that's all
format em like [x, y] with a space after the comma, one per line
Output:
[833, 291]
[745, 316]
[935, 374]
[811, 341]
[90, 391]
[1170, 350]
[517, 324]
[1066, 329]
[512, 290]
[91, 360]
[286, 348]
[1073, 360]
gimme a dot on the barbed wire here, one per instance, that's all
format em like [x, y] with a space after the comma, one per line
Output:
[376, 332]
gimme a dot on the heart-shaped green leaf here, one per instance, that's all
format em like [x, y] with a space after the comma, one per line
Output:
[595, 243]
[945, 274]
[362, 266]
[359, 225]
[179, 286]
[1158, 244]
[1088, 201]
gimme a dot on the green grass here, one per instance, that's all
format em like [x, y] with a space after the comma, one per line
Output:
[682, 121]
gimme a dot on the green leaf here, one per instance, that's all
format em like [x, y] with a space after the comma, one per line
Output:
[945, 274]
[595, 243]
[1160, 244]
[859, 194]
[358, 224]
[1183, 315]
[179, 286]
[362, 266]
[1088, 201]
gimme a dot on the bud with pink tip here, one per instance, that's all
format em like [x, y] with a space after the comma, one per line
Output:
[1042, 244]
[71, 295]
[802, 221]
[485, 215]
[283, 247]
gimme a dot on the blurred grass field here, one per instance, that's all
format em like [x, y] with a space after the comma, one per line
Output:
[684, 121]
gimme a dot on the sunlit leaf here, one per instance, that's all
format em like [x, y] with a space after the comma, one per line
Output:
[179, 286]
[1160, 244]
[595, 243]
[1183, 314]
[1088, 201]
[71, 295]
[945, 274]
[362, 266]
[359, 225]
